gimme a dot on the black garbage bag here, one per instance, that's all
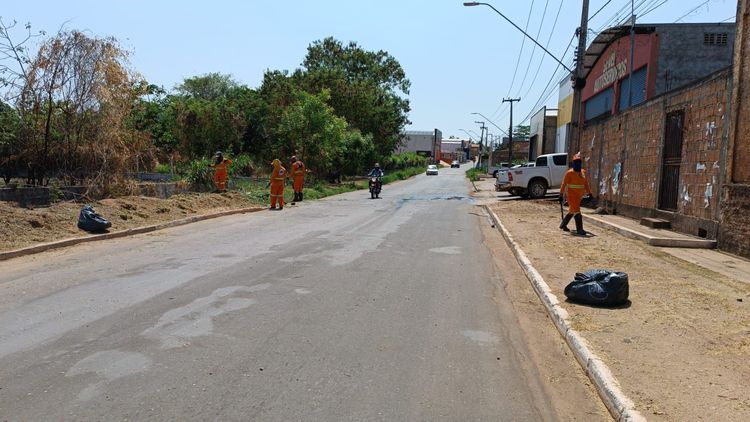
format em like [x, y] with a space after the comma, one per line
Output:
[90, 221]
[599, 287]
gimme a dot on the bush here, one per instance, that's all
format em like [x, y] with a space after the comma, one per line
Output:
[163, 169]
[242, 165]
[473, 174]
[405, 160]
[199, 173]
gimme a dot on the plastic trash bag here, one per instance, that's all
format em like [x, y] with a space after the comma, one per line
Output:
[599, 287]
[90, 221]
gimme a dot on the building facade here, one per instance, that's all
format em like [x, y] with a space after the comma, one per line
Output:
[676, 146]
[542, 133]
[424, 143]
[664, 57]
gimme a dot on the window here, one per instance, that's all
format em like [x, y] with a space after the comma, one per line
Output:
[639, 88]
[541, 162]
[599, 104]
[560, 160]
[715, 38]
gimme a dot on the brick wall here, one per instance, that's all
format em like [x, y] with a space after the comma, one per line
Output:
[734, 233]
[623, 155]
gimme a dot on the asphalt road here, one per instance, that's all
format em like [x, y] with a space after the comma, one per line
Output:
[341, 309]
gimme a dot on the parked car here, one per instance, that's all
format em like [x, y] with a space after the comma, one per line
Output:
[494, 170]
[547, 173]
[432, 169]
[455, 164]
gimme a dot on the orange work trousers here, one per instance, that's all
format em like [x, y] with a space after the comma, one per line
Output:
[574, 201]
[299, 182]
[220, 179]
[277, 193]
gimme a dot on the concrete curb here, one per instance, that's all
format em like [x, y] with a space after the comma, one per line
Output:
[129, 232]
[619, 405]
[668, 242]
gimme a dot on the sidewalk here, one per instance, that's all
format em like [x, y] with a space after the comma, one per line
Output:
[680, 348]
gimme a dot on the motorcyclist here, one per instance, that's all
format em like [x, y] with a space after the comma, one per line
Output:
[376, 171]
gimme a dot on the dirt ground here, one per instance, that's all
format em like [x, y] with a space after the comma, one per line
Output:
[25, 227]
[681, 348]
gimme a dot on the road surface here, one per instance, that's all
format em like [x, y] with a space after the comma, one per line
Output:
[341, 309]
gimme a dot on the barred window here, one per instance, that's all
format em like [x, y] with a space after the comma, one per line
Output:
[715, 38]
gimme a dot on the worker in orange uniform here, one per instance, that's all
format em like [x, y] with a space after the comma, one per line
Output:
[277, 184]
[574, 184]
[298, 176]
[221, 165]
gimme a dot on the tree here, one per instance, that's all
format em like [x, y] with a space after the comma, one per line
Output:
[522, 131]
[9, 124]
[209, 87]
[76, 97]
[365, 88]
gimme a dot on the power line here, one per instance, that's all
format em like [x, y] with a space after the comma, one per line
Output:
[533, 50]
[554, 77]
[653, 8]
[549, 39]
[523, 42]
[600, 9]
[692, 10]
[518, 60]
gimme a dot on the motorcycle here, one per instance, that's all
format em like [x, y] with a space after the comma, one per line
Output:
[375, 186]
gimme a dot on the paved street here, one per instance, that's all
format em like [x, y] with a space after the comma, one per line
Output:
[341, 309]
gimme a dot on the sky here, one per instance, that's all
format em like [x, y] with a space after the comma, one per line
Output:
[460, 60]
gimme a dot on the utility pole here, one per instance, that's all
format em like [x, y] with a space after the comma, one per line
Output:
[490, 141]
[481, 142]
[578, 81]
[632, 49]
[510, 129]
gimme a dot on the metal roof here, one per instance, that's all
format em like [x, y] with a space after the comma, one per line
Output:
[605, 39]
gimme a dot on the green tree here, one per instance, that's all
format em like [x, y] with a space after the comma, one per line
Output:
[9, 148]
[209, 87]
[522, 131]
[366, 88]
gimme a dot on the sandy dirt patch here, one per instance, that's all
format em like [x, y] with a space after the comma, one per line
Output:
[25, 227]
[681, 348]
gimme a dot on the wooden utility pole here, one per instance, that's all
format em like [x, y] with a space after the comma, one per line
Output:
[510, 130]
[578, 82]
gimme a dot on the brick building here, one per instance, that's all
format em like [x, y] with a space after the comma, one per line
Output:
[734, 229]
[676, 146]
[663, 158]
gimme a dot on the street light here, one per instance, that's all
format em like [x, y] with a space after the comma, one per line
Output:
[466, 132]
[492, 123]
[476, 3]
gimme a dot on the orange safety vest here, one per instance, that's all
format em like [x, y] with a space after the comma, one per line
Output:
[278, 175]
[298, 169]
[221, 169]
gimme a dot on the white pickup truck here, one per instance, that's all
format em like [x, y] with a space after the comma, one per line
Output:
[534, 181]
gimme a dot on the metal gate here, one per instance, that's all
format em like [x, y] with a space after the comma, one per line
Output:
[672, 157]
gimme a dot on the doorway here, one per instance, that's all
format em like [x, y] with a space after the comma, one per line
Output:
[671, 160]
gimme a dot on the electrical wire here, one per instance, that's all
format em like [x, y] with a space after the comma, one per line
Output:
[533, 50]
[520, 52]
[600, 9]
[653, 8]
[692, 10]
[549, 39]
[554, 77]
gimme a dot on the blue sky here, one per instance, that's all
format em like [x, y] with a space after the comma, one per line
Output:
[459, 59]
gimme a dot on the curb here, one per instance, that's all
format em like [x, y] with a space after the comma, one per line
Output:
[129, 232]
[619, 405]
[652, 240]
